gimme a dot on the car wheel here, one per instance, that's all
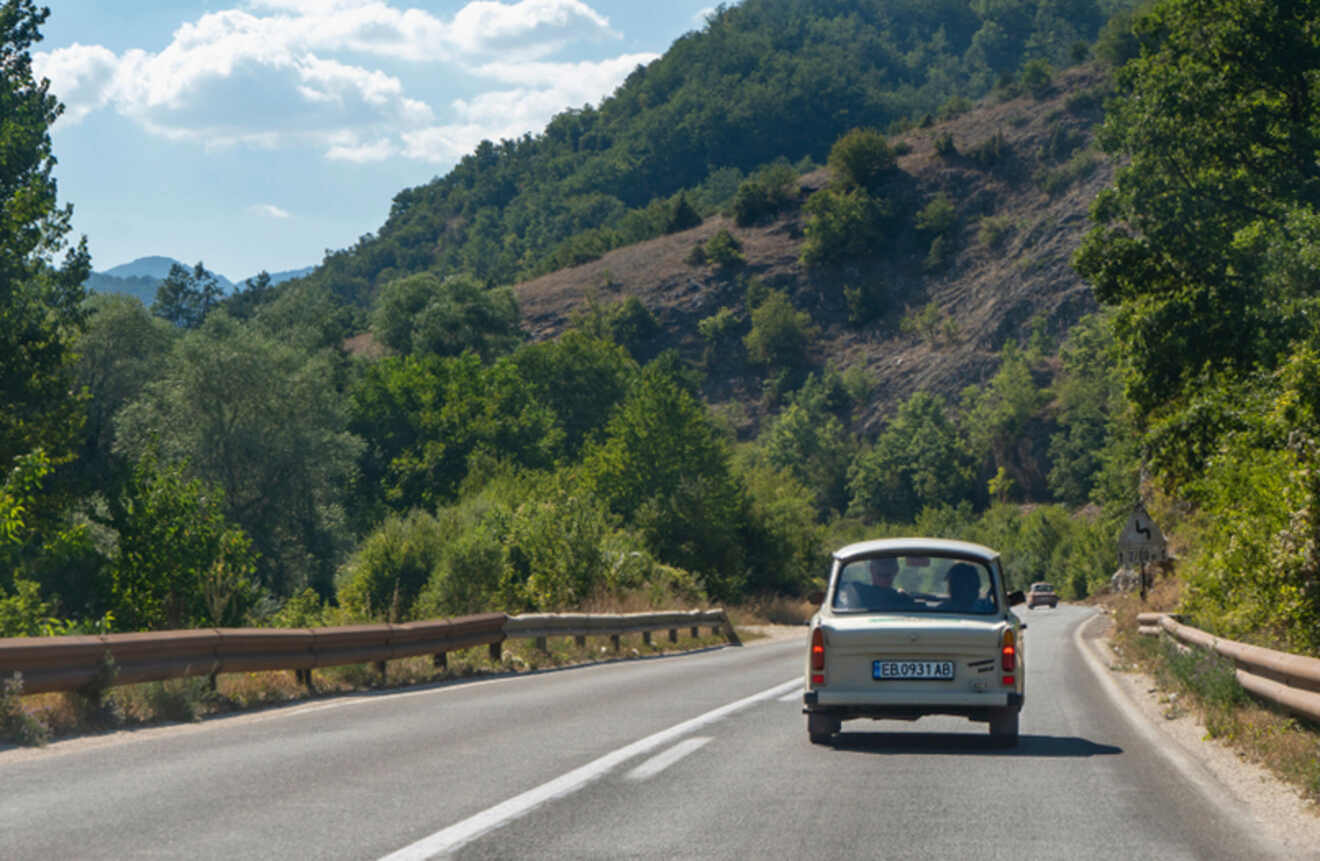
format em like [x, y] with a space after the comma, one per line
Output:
[1004, 726]
[821, 727]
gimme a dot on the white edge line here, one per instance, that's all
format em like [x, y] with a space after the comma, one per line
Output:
[661, 761]
[451, 838]
[791, 696]
[1211, 788]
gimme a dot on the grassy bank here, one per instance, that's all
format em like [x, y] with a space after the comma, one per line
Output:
[1203, 684]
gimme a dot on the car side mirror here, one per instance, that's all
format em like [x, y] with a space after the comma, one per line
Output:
[1017, 596]
[816, 597]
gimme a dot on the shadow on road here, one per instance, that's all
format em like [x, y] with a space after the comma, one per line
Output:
[965, 744]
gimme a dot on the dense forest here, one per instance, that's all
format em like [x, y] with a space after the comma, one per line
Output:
[381, 439]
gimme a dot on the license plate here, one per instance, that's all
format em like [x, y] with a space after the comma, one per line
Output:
[884, 671]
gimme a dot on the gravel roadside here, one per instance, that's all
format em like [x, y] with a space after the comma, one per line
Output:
[1289, 819]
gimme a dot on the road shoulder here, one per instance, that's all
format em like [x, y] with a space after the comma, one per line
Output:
[1289, 820]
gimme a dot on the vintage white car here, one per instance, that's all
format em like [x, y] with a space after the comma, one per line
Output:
[910, 627]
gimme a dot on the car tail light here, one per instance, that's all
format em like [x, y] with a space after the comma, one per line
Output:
[818, 657]
[1008, 656]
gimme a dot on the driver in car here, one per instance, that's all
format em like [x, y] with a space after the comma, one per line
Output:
[880, 593]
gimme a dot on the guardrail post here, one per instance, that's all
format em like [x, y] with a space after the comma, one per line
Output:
[614, 641]
[440, 661]
[580, 640]
[380, 668]
[673, 635]
[696, 631]
[646, 637]
[495, 652]
[304, 678]
[541, 645]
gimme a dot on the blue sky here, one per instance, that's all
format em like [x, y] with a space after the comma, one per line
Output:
[258, 134]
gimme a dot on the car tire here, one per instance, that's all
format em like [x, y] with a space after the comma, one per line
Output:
[821, 727]
[1004, 726]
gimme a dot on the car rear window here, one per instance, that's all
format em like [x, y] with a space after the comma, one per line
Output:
[919, 584]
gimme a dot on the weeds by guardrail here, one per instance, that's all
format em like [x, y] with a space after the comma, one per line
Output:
[1289, 681]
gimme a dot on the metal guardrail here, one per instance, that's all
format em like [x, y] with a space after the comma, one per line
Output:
[1290, 681]
[71, 663]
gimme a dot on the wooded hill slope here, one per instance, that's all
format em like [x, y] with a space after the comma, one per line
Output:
[1019, 179]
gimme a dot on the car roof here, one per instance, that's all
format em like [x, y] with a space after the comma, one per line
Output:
[916, 545]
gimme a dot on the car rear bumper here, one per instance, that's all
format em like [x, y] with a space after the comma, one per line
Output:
[978, 708]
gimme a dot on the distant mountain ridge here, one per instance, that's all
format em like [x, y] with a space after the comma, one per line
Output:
[141, 277]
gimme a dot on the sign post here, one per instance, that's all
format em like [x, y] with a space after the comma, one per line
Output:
[1139, 543]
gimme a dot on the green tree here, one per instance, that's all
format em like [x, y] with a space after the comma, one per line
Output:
[261, 420]
[41, 308]
[919, 460]
[424, 417]
[1217, 123]
[185, 297]
[815, 448]
[1005, 423]
[424, 314]
[177, 563]
[664, 467]
[581, 379]
[120, 353]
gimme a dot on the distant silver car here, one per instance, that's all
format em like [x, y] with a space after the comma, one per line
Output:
[1042, 593]
[910, 627]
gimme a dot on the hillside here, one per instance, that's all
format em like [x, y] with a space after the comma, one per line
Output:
[763, 80]
[1021, 181]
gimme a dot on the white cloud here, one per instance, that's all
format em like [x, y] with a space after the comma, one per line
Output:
[268, 210]
[278, 73]
[82, 76]
[548, 88]
[349, 148]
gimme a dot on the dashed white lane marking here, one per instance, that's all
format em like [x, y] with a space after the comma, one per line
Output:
[791, 696]
[661, 761]
[456, 835]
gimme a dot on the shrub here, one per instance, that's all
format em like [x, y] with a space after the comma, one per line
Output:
[682, 217]
[389, 569]
[780, 333]
[724, 250]
[15, 723]
[990, 151]
[765, 194]
[941, 252]
[1079, 167]
[842, 224]
[866, 301]
[861, 159]
[944, 146]
[937, 216]
[992, 232]
[1037, 76]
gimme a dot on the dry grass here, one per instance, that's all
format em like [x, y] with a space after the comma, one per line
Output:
[773, 610]
[1204, 686]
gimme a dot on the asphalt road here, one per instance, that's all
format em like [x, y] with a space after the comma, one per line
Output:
[697, 756]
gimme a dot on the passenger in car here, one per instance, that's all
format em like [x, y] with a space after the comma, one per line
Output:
[964, 586]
